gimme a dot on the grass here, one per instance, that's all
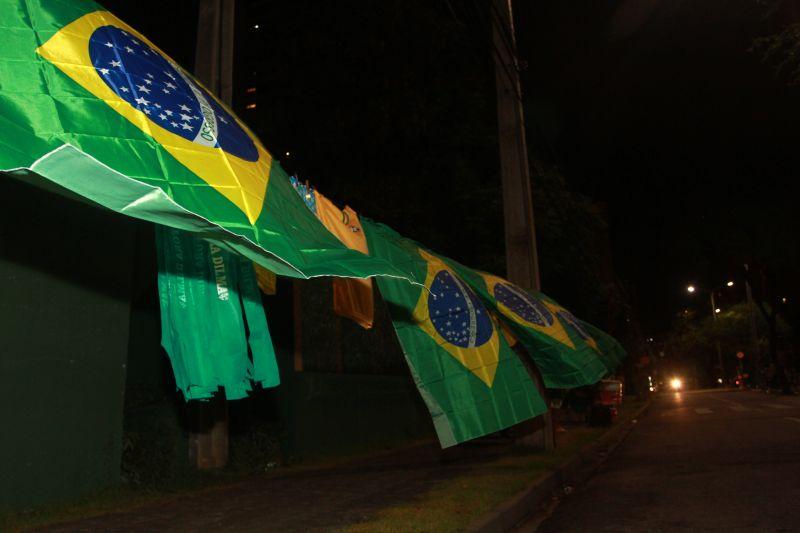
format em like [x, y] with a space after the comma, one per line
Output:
[126, 497]
[453, 504]
[449, 505]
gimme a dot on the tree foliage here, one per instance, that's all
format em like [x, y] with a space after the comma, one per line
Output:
[694, 339]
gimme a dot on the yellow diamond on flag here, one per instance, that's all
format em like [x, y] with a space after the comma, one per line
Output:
[121, 67]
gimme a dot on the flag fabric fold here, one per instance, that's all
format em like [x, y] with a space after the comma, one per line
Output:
[471, 381]
[90, 104]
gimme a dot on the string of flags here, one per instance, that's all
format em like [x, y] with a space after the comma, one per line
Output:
[91, 105]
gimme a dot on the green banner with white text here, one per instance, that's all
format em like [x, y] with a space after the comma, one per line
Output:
[207, 296]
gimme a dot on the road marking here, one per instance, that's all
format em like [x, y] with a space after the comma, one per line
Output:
[703, 411]
[793, 419]
[778, 406]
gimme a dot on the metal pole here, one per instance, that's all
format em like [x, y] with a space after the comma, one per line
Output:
[719, 349]
[751, 308]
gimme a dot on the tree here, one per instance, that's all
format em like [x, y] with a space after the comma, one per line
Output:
[692, 340]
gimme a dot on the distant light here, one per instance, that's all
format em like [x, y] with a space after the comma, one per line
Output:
[784, 299]
[256, 26]
[250, 106]
[691, 288]
[288, 154]
[650, 339]
[308, 196]
[717, 310]
[676, 383]
[652, 389]
[730, 284]
[719, 380]
[250, 90]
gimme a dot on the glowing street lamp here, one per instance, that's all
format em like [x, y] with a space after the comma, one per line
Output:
[714, 312]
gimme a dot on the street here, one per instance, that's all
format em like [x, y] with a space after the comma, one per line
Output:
[699, 461]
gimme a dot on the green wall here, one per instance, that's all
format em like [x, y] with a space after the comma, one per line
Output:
[82, 373]
[64, 313]
[330, 413]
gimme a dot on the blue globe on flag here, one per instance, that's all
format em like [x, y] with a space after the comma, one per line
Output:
[456, 312]
[523, 305]
[146, 80]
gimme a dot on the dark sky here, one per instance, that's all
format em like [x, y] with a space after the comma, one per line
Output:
[655, 107]
[658, 108]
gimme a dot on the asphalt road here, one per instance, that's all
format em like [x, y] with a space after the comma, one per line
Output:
[698, 461]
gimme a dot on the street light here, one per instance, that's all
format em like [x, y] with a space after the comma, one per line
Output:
[714, 312]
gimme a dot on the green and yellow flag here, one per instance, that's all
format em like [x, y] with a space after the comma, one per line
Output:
[89, 103]
[611, 351]
[470, 379]
[564, 352]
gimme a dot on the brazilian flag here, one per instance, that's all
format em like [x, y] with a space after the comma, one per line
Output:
[611, 351]
[90, 104]
[472, 382]
[565, 350]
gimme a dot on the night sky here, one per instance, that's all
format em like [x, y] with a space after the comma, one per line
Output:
[657, 109]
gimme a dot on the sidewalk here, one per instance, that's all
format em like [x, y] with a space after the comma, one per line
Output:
[410, 489]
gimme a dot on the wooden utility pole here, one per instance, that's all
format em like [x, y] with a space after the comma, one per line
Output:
[522, 262]
[213, 64]
[208, 440]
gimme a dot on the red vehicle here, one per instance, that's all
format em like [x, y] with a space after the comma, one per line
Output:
[607, 399]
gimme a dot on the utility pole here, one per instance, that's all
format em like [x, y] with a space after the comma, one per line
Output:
[522, 262]
[208, 439]
[751, 311]
[719, 349]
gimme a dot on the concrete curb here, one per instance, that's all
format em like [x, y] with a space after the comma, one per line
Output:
[529, 501]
